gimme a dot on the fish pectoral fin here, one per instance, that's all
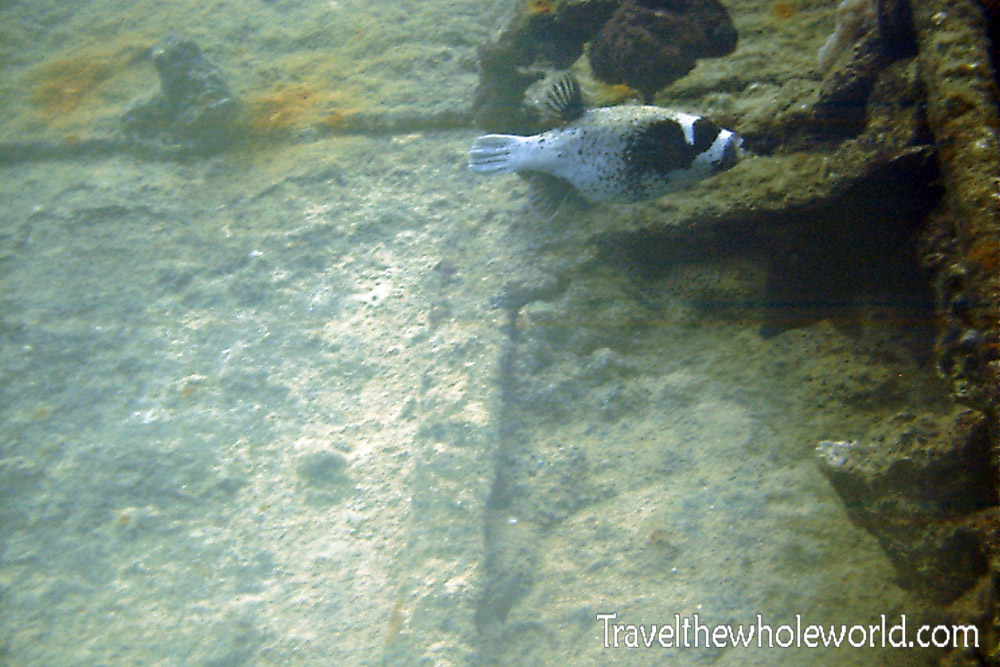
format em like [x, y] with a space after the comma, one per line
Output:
[548, 193]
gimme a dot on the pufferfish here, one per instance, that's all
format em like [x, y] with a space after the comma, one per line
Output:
[625, 153]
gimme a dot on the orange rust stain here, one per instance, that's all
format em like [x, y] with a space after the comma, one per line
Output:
[281, 107]
[292, 106]
[75, 90]
[983, 258]
[295, 93]
[984, 254]
[784, 10]
[333, 120]
[617, 93]
[61, 86]
[543, 7]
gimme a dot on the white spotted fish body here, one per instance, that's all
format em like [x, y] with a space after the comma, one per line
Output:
[613, 154]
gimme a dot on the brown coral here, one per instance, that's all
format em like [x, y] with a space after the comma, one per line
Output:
[648, 44]
[644, 44]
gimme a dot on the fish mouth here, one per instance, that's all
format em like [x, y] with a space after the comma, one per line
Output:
[732, 152]
[739, 149]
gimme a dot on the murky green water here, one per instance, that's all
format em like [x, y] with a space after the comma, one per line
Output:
[261, 407]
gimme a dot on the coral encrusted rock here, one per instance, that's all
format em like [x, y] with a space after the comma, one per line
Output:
[648, 44]
[923, 487]
[645, 44]
[194, 112]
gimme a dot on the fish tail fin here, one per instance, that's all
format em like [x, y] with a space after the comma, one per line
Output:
[495, 154]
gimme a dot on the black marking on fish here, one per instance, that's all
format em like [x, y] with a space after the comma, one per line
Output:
[705, 132]
[658, 148]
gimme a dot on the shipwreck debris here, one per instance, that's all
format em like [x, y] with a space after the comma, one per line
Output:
[194, 112]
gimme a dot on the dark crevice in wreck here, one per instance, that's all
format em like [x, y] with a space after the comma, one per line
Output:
[507, 567]
[510, 548]
[840, 260]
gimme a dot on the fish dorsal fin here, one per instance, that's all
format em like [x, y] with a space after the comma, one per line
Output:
[565, 99]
